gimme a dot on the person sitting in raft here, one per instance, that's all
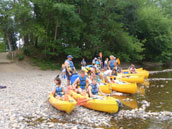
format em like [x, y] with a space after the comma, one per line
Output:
[132, 69]
[81, 82]
[70, 69]
[58, 91]
[112, 62]
[94, 88]
[109, 73]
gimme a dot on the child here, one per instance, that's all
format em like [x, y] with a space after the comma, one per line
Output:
[58, 91]
[63, 71]
[81, 82]
[132, 69]
[83, 64]
[94, 89]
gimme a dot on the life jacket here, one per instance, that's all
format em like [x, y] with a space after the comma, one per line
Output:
[59, 91]
[93, 61]
[94, 89]
[71, 66]
[87, 70]
[112, 64]
[97, 63]
[82, 82]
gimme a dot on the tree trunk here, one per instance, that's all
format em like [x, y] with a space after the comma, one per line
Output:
[9, 45]
[26, 40]
[55, 34]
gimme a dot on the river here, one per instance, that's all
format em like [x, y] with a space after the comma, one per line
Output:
[159, 93]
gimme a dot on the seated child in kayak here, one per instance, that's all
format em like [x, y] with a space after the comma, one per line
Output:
[58, 91]
[132, 69]
[94, 88]
[81, 82]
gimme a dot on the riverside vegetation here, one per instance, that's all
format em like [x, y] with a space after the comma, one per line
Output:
[139, 30]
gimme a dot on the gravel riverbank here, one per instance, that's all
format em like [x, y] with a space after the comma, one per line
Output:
[24, 104]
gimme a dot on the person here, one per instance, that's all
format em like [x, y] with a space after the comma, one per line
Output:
[81, 82]
[98, 63]
[70, 69]
[83, 63]
[106, 64]
[58, 90]
[94, 61]
[109, 73]
[132, 69]
[112, 62]
[94, 88]
[63, 75]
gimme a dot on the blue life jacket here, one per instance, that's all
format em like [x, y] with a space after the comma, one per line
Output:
[98, 63]
[59, 91]
[112, 64]
[71, 64]
[94, 89]
[82, 82]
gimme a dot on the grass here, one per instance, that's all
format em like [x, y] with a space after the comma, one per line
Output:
[46, 64]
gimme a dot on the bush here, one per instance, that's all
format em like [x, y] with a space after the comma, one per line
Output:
[46, 64]
[20, 57]
[2, 47]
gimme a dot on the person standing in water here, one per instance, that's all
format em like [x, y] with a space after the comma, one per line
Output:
[83, 63]
[70, 69]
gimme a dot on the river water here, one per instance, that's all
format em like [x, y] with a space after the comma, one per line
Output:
[158, 91]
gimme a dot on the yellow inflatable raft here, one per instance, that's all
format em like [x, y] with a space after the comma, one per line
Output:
[107, 104]
[131, 79]
[66, 106]
[130, 88]
[141, 73]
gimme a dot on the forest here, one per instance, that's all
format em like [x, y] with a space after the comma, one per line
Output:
[132, 30]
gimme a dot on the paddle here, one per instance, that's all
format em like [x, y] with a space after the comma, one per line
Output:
[118, 61]
[83, 101]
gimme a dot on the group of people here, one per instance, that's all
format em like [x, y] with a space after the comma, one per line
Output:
[90, 76]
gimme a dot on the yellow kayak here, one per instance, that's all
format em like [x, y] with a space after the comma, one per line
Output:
[107, 89]
[130, 88]
[140, 73]
[61, 105]
[131, 79]
[107, 104]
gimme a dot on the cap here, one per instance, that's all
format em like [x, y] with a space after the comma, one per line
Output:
[69, 56]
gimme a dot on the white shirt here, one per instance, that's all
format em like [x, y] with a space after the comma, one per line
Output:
[108, 72]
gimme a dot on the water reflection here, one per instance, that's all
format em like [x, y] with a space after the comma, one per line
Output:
[129, 101]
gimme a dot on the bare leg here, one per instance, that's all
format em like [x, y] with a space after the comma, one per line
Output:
[68, 82]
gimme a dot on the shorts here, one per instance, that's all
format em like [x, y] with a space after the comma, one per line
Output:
[68, 76]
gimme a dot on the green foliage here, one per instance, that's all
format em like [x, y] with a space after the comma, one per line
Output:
[157, 30]
[133, 30]
[45, 64]
[2, 47]
[20, 57]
